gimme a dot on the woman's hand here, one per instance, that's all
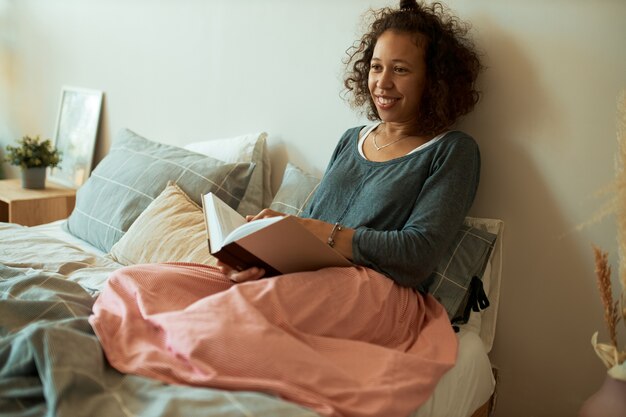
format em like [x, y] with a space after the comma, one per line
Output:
[264, 214]
[253, 273]
[250, 274]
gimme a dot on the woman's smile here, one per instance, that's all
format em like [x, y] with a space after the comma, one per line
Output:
[386, 102]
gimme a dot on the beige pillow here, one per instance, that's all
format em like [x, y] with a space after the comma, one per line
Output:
[170, 229]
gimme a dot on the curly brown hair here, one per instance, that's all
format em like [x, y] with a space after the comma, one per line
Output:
[452, 63]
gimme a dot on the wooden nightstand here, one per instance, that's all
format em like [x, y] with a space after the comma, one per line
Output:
[33, 207]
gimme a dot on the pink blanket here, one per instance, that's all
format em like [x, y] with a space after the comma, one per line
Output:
[342, 341]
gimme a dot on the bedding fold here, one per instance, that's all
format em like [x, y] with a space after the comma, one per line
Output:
[51, 363]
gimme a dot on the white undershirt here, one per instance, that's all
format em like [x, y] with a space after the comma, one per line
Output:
[369, 129]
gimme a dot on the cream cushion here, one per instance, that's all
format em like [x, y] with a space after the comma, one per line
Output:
[170, 229]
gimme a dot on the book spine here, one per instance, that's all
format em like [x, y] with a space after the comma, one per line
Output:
[237, 257]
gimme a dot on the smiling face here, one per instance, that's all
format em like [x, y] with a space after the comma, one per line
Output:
[397, 77]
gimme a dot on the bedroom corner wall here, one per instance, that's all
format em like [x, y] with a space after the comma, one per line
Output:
[7, 43]
[187, 70]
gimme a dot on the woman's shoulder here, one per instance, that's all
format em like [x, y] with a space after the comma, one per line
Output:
[355, 131]
[351, 135]
[463, 138]
[457, 140]
[455, 147]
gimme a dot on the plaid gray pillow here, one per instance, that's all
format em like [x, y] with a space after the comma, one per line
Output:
[134, 173]
[456, 282]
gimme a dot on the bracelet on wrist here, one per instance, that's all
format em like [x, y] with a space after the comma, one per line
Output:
[331, 239]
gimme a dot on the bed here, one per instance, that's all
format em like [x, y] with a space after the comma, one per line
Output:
[51, 362]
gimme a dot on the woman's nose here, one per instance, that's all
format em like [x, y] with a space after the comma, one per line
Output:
[385, 80]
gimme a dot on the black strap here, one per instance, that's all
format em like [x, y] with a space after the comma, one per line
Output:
[476, 300]
[480, 301]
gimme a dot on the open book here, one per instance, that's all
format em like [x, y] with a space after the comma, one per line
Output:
[279, 245]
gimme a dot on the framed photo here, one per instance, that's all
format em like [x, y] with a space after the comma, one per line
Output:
[75, 135]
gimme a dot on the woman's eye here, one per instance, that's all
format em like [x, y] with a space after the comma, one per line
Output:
[375, 67]
[400, 70]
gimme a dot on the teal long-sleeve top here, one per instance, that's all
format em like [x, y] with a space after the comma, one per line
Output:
[406, 211]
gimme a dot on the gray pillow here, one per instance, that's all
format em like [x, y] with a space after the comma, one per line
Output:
[456, 282]
[296, 190]
[134, 173]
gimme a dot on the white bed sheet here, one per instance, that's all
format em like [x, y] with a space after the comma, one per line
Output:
[461, 391]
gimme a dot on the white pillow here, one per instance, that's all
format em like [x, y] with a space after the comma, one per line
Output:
[235, 149]
[245, 148]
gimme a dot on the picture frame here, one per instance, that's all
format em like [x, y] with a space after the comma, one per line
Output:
[75, 135]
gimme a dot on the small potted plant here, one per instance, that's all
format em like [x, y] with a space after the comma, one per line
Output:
[34, 156]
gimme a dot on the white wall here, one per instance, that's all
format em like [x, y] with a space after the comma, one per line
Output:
[179, 71]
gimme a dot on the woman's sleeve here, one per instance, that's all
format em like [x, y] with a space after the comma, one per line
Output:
[409, 255]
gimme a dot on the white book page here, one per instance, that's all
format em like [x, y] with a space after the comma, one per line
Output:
[249, 228]
[221, 219]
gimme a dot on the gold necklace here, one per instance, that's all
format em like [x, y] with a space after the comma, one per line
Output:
[378, 148]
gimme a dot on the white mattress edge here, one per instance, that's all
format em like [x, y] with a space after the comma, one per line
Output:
[470, 382]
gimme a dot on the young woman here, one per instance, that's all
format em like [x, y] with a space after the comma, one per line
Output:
[366, 340]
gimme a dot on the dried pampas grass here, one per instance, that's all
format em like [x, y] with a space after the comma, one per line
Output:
[603, 275]
[614, 311]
